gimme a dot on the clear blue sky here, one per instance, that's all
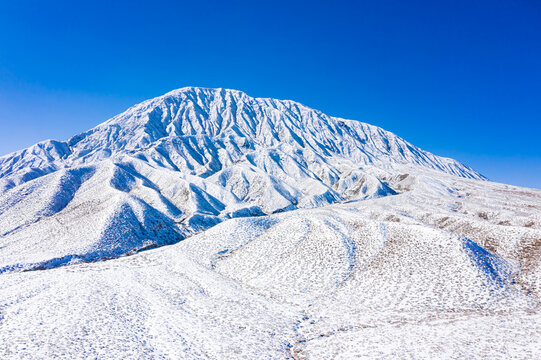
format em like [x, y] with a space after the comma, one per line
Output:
[457, 78]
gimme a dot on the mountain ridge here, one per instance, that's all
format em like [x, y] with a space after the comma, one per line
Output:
[180, 163]
[194, 96]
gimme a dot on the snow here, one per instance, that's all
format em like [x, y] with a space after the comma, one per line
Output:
[335, 281]
[189, 159]
[289, 233]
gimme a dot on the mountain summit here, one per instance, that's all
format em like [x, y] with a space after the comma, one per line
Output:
[210, 129]
[187, 160]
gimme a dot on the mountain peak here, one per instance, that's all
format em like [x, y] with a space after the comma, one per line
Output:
[187, 160]
[218, 127]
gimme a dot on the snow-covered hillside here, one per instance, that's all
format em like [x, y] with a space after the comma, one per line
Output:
[391, 277]
[183, 162]
[290, 233]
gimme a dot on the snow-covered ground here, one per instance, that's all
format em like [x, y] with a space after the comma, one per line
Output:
[366, 279]
[289, 234]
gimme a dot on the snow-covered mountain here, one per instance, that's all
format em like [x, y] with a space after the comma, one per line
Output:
[185, 161]
[293, 235]
[201, 132]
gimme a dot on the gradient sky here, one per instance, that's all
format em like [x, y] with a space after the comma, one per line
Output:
[457, 78]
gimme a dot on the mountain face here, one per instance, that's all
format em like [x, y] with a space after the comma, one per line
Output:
[185, 161]
[293, 235]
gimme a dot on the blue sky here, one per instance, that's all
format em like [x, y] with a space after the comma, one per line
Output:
[457, 78]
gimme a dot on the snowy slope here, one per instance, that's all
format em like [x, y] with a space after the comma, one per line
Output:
[368, 279]
[183, 162]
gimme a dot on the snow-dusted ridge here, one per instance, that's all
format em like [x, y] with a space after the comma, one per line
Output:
[232, 116]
